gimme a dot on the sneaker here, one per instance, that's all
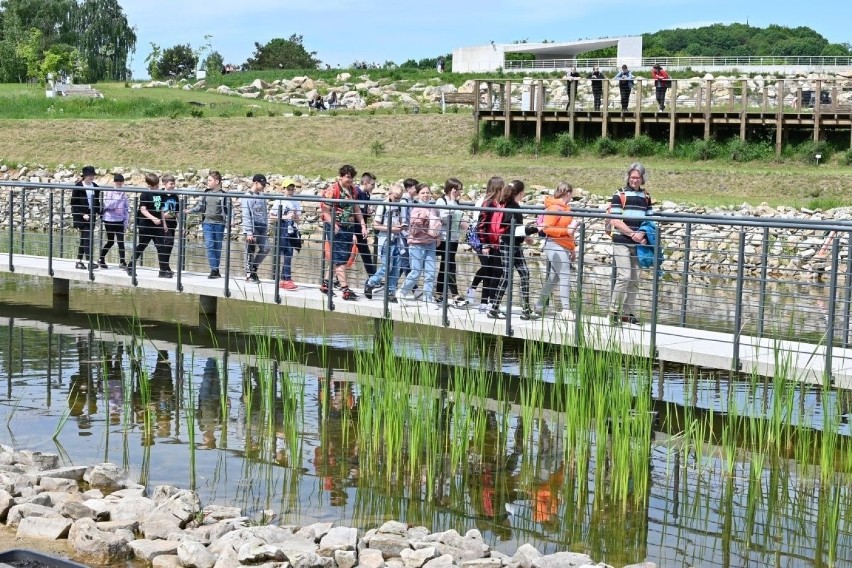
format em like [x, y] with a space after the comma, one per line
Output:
[123, 265]
[403, 297]
[494, 313]
[460, 302]
[324, 288]
[614, 318]
[93, 266]
[252, 277]
[438, 298]
[80, 265]
[379, 286]
[165, 274]
[214, 274]
[349, 294]
[368, 291]
[130, 269]
[392, 299]
[416, 294]
[631, 319]
[528, 314]
[102, 264]
[336, 284]
[565, 315]
[483, 308]
[287, 285]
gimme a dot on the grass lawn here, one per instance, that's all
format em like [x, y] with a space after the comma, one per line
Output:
[430, 147]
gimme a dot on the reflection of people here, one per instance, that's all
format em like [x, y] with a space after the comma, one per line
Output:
[115, 384]
[625, 85]
[661, 83]
[162, 393]
[82, 395]
[85, 207]
[633, 204]
[209, 403]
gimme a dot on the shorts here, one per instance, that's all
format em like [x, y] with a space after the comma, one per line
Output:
[341, 248]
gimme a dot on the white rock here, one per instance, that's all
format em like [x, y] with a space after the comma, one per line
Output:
[195, 555]
[43, 527]
[147, 550]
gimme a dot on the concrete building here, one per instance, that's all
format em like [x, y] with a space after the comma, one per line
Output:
[486, 58]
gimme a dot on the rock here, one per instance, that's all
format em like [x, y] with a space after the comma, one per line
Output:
[58, 484]
[315, 532]
[250, 95]
[251, 554]
[227, 559]
[562, 560]
[417, 558]
[390, 545]
[166, 561]
[218, 513]
[147, 550]
[311, 560]
[136, 509]
[97, 546]
[343, 77]
[345, 558]
[445, 561]
[483, 563]
[195, 555]
[107, 477]
[71, 472]
[6, 503]
[338, 538]
[179, 508]
[526, 555]
[393, 527]
[260, 84]
[642, 565]
[370, 558]
[19, 512]
[154, 530]
[76, 510]
[43, 527]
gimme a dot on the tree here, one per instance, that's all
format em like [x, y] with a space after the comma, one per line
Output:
[106, 40]
[214, 63]
[60, 60]
[282, 53]
[29, 50]
[152, 60]
[177, 62]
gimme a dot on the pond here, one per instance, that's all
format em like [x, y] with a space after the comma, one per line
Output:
[331, 419]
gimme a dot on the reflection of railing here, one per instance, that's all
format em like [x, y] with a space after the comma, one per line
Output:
[766, 277]
[816, 62]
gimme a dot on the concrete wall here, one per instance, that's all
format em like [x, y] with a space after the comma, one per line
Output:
[482, 58]
[630, 51]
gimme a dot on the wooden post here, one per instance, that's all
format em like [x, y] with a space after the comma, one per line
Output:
[779, 116]
[605, 107]
[731, 98]
[799, 98]
[539, 106]
[744, 110]
[699, 99]
[637, 114]
[489, 95]
[765, 101]
[834, 98]
[707, 108]
[507, 108]
[815, 98]
[672, 116]
[476, 108]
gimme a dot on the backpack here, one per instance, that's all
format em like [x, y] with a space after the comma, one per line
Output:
[608, 222]
[495, 224]
[539, 224]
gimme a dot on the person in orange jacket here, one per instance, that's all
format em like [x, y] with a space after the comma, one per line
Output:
[558, 248]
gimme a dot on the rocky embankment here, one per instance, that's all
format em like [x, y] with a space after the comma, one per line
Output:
[362, 92]
[714, 246]
[107, 519]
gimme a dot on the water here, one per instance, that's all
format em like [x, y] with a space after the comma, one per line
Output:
[81, 378]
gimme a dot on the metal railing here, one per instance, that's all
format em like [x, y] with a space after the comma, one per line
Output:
[775, 278]
[817, 62]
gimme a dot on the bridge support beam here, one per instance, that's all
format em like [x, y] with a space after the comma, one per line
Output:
[61, 294]
[207, 310]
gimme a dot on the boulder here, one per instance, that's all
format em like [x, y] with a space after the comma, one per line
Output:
[562, 560]
[371, 558]
[19, 512]
[107, 477]
[252, 554]
[179, 508]
[154, 530]
[97, 546]
[338, 538]
[195, 555]
[136, 509]
[43, 527]
[147, 550]
[526, 555]
[167, 561]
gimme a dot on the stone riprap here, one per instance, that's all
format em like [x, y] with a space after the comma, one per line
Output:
[364, 93]
[714, 246]
[115, 519]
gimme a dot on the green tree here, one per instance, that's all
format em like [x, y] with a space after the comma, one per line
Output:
[177, 62]
[152, 60]
[106, 40]
[214, 63]
[29, 50]
[282, 53]
[61, 59]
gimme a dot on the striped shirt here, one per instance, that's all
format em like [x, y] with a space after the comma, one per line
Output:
[637, 206]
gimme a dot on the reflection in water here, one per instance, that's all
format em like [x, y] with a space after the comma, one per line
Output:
[306, 443]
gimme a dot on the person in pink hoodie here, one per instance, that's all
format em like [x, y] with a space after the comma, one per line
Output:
[558, 248]
[423, 234]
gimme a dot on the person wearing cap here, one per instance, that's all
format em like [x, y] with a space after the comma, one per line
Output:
[347, 221]
[625, 85]
[289, 238]
[85, 207]
[255, 224]
[214, 216]
[116, 214]
[661, 84]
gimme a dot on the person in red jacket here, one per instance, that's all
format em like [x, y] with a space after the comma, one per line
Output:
[661, 83]
[558, 248]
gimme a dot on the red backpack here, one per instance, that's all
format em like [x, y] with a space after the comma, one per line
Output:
[494, 226]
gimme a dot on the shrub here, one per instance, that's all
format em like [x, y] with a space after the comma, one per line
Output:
[249, 113]
[297, 112]
[846, 158]
[739, 151]
[504, 147]
[807, 151]
[196, 113]
[377, 148]
[473, 146]
[704, 150]
[565, 145]
[639, 146]
[606, 147]
[271, 113]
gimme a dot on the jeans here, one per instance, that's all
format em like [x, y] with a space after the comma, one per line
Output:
[422, 261]
[285, 254]
[391, 275]
[626, 279]
[256, 251]
[560, 272]
[214, 234]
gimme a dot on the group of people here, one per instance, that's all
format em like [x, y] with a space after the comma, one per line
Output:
[416, 236]
[626, 81]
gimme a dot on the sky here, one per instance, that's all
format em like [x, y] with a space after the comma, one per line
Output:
[344, 31]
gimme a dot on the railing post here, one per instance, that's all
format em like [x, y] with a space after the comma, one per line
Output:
[388, 257]
[62, 223]
[11, 230]
[446, 260]
[181, 226]
[829, 331]
[687, 253]
[229, 215]
[50, 235]
[510, 256]
[761, 302]
[847, 291]
[330, 273]
[655, 293]
[578, 312]
[134, 240]
[91, 243]
[276, 260]
[23, 217]
[738, 306]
